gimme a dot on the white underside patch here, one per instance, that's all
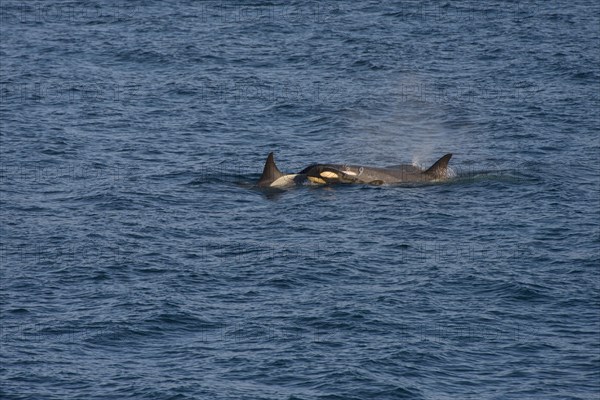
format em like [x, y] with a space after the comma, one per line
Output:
[285, 180]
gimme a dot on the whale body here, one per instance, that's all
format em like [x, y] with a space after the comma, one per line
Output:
[357, 174]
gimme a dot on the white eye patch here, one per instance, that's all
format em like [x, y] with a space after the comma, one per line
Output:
[329, 175]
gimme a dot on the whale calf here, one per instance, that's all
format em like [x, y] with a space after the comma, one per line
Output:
[343, 173]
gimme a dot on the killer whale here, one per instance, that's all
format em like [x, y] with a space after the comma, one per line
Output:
[273, 177]
[358, 174]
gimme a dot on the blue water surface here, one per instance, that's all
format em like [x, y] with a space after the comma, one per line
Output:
[139, 261]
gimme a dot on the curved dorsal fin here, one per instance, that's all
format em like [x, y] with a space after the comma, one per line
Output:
[270, 173]
[438, 170]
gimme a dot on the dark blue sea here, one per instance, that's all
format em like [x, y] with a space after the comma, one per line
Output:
[138, 259]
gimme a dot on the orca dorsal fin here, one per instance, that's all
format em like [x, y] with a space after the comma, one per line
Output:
[270, 173]
[438, 170]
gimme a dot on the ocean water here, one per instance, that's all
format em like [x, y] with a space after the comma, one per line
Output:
[139, 261]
